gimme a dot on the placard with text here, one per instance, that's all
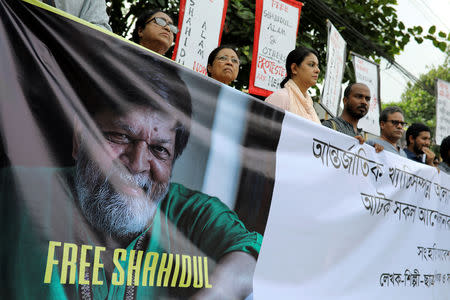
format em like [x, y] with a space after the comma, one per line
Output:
[200, 24]
[336, 50]
[442, 110]
[368, 72]
[276, 27]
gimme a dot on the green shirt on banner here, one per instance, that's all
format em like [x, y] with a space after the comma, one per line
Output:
[174, 257]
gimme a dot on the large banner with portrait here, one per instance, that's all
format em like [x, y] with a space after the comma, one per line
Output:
[124, 175]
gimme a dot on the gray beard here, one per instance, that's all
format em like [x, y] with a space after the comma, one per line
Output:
[109, 210]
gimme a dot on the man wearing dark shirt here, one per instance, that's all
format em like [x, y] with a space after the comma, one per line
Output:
[445, 154]
[356, 105]
[418, 140]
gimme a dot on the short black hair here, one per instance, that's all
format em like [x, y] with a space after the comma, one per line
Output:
[142, 21]
[389, 111]
[296, 56]
[349, 87]
[156, 85]
[414, 130]
[445, 147]
[212, 56]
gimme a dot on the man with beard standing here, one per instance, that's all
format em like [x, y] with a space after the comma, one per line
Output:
[391, 130]
[418, 141]
[356, 104]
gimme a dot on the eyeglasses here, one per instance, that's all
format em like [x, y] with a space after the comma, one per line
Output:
[162, 22]
[225, 58]
[396, 123]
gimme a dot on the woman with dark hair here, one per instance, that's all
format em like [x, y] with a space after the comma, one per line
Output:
[302, 72]
[155, 30]
[223, 64]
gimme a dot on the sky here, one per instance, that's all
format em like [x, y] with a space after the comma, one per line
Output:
[416, 58]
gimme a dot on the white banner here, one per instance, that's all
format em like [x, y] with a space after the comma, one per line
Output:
[348, 223]
[277, 24]
[335, 70]
[442, 110]
[367, 72]
[200, 32]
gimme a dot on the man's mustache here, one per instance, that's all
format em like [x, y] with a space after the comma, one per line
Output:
[119, 175]
[140, 180]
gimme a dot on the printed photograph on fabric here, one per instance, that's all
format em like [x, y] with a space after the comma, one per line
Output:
[133, 177]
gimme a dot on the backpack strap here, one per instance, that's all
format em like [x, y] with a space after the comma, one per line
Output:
[333, 123]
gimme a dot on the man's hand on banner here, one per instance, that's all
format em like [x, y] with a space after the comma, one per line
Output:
[232, 278]
[360, 139]
[378, 148]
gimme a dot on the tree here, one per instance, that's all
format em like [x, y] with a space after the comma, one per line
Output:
[378, 31]
[418, 101]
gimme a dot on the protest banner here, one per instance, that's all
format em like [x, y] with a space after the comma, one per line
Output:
[348, 223]
[114, 165]
[368, 72]
[442, 110]
[336, 54]
[276, 27]
[200, 24]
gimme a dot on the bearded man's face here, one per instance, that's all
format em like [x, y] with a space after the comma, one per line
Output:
[121, 179]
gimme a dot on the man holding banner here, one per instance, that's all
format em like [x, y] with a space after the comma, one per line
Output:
[356, 103]
[391, 126]
[418, 141]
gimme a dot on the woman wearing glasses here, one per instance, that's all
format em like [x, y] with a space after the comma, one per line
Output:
[302, 72]
[223, 64]
[155, 30]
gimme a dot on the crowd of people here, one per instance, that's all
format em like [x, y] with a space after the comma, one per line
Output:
[155, 30]
[392, 127]
[119, 182]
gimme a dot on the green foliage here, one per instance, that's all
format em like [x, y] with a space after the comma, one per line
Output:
[379, 32]
[432, 30]
[416, 101]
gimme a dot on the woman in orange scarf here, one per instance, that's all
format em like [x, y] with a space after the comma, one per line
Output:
[302, 69]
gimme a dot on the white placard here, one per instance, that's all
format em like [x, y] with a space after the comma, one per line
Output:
[201, 28]
[277, 35]
[336, 47]
[348, 223]
[367, 72]
[442, 110]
